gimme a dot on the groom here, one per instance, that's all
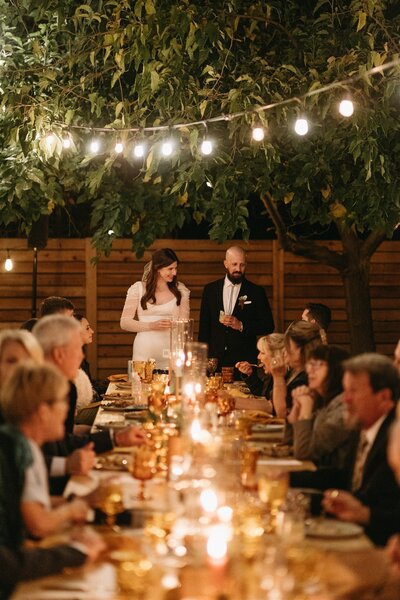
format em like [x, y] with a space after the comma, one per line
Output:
[233, 313]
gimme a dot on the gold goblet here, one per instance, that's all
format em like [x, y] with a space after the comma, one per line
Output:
[143, 467]
[110, 501]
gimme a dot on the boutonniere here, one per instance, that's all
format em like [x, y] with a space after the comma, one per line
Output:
[242, 301]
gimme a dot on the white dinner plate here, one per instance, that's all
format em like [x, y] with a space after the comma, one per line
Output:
[330, 528]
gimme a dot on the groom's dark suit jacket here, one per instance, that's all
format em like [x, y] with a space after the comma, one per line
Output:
[225, 343]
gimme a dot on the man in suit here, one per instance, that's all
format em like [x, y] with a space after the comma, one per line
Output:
[233, 313]
[371, 389]
[61, 341]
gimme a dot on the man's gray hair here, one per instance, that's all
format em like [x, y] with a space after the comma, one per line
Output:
[54, 331]
[380, 369]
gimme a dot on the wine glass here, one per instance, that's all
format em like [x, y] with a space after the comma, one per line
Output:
[143, 467]
[212, 364]
[110, 501]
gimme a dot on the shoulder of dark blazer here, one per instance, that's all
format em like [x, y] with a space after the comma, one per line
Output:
[383, 432]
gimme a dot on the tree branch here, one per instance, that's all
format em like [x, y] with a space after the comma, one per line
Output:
[372, 242]
[306, 248]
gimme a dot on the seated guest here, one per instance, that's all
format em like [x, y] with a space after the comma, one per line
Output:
[29, 324]
[34, 402]
[56, 305]
[87, 402]
[320, 433]
[317, 313]
[16, 345]
[300, 338]
[61, 341]
[19, 345]
[371, 389]
[19, 564]
[259, 380]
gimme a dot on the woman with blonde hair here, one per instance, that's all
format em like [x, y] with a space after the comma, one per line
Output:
[259, 380]
[300, 338]
[34, 403]
[151, 304]
[17, 345]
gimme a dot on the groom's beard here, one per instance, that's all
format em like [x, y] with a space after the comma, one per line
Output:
[235, 277]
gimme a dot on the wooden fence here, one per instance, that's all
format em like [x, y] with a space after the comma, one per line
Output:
[65, 268]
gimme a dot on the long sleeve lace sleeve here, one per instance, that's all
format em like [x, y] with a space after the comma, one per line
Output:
[128, 322]
[184, 308]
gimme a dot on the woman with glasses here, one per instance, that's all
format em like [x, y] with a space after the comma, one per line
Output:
[34, 404]
[317, 416]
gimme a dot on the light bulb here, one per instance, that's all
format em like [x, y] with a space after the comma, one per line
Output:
[166, 148]
[138, 151]
[8, 264]
[110, 232]
[301, 126]
[66, 143]
[119, 147]
[258, 134]
[206, 147]
[49, 139]
[346, 108]
[94, 146]
[209, 184]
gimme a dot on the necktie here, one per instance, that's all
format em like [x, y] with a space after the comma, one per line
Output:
[362, 452]
[230, 306]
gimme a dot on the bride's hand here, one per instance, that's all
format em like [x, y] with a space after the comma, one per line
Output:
[161, 325]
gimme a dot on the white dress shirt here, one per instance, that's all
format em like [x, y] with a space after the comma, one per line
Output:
[230, 295]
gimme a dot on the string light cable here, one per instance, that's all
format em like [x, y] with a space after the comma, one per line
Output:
[346, 108]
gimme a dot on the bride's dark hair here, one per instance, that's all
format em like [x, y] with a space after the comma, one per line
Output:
[160, 259]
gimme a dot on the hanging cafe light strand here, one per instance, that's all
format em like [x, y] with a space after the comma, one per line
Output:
[236, 115]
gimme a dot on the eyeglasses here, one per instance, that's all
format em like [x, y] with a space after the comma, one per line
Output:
[312, 365]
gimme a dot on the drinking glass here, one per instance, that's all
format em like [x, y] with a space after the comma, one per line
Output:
[212, 364]
[248, 466]
[110, 501]
[143, 466]
[272, 488]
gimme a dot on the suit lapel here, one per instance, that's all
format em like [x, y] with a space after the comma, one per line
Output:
[379, 446]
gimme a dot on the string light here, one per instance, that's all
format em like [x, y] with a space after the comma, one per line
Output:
[257, 134]
[94, 146]
[139, 150]
[346, 108]
[166, 148]
[206, 147]
[49, 139]
[119, 147]
[66, 142]
[8, 263]
[301, 126]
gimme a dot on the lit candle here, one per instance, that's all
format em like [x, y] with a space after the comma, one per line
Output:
[209, 501]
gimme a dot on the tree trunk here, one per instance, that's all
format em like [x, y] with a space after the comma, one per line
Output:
[358, 305]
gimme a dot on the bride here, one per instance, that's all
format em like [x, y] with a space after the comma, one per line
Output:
[151, 304]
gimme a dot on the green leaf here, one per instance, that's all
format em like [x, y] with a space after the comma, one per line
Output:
[149, 7]
[362, 20]
[155, 80]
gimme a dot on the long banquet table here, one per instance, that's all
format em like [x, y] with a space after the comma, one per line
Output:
[351, 564]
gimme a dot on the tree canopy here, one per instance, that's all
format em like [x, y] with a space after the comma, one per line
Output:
[123, 67]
